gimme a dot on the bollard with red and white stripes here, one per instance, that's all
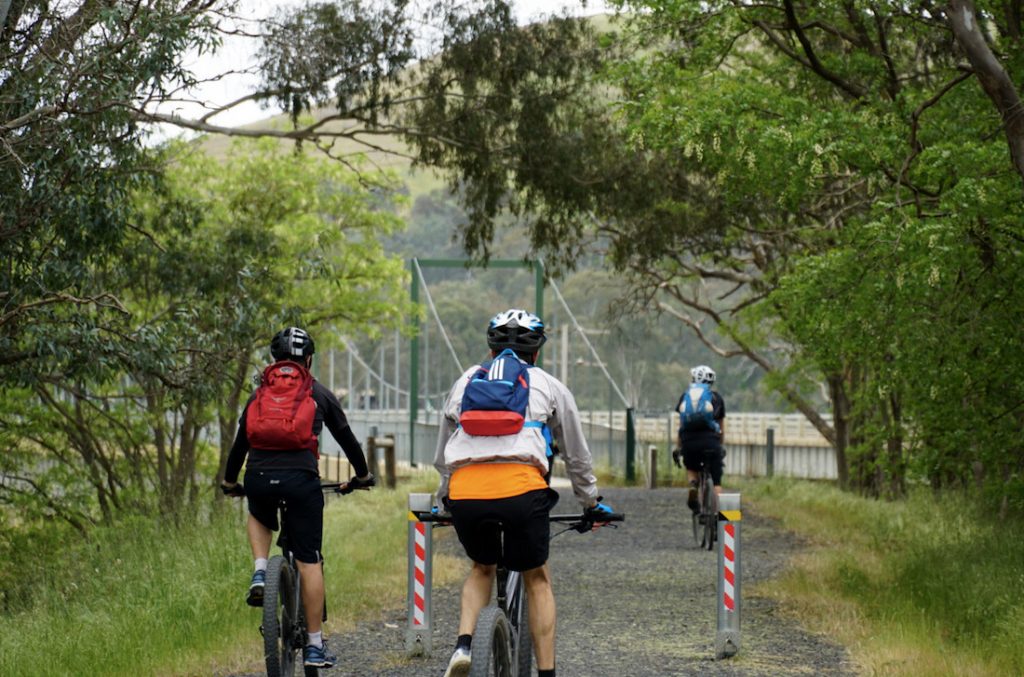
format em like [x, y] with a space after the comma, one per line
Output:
[418, 633]
[727, 640]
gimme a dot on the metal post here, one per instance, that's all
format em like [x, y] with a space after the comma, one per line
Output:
[414, 359]
[727, 640]
[538, 293]
[630, 446]
[770, 453]
[418, 635]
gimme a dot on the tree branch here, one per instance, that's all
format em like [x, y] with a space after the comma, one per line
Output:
[1000, 88]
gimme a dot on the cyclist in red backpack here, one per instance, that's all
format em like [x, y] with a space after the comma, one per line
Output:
[278, 432]
[493, 458]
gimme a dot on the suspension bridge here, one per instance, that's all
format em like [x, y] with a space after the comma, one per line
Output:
[395, 387]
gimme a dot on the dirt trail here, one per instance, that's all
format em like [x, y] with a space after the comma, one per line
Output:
[637, 601]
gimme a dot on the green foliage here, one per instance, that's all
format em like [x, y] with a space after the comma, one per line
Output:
[220, 257]
[150, 597]
[341, 53]
[822, 185]
[939, 577]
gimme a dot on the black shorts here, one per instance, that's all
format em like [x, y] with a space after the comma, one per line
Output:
[512, 531]
[305, 515]
[705, 452]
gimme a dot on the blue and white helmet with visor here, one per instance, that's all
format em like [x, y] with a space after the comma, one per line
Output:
[516, 329]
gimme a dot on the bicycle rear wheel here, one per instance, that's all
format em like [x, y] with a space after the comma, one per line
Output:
[492, 645]
[280, 617]
[709, 509]
[524, 644]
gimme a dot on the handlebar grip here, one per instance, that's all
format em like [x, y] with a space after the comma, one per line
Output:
[430, 516]
[591, 517]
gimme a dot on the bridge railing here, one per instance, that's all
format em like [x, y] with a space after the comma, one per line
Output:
[799, 449]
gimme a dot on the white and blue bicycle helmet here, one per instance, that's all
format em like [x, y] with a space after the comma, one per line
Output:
[703, 374]
[517, 329]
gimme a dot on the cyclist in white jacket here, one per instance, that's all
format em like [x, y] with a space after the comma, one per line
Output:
[494, 486]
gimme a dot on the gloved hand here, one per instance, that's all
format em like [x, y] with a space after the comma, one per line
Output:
[357, 483]
[232, 489]
[676, 455]
[598, 510]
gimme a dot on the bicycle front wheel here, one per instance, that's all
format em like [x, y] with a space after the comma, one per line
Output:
[492, 645]
[280, 615]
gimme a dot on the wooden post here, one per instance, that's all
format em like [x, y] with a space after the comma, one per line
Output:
[371, 454]
[652, 455]
[389, 462]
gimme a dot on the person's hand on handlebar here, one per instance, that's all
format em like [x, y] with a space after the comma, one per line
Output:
[597, 511]
[364, 483]
[232, 489]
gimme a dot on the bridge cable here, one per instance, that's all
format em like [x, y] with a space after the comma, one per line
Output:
[593, 352]
[437, 318]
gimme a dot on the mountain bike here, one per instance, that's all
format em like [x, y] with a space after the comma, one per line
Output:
[284, 618]
[501, 638]
[705, 521]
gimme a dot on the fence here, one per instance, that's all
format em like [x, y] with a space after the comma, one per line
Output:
[799, 449]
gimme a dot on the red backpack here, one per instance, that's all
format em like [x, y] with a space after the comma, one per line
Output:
[280, 416]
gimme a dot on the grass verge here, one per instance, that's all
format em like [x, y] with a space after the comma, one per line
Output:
[143, 598]
[916, 587]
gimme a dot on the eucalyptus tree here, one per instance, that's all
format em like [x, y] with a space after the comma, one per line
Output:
[826, 185]
[226, 252]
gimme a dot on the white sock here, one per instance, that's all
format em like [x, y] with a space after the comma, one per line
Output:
[315, 639]
[261, 564]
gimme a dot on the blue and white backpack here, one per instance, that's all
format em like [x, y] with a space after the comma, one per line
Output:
[496, 397]
[697, 411]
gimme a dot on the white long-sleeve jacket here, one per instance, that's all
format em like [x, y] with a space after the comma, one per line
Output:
[550, 403]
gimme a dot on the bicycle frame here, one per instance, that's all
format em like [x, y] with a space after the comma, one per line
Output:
[284, 616]
[510, 608]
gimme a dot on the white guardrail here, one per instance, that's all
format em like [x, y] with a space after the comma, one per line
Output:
[799, 449]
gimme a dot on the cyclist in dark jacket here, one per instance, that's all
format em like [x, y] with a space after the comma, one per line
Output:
[701, 444]
[293, 475]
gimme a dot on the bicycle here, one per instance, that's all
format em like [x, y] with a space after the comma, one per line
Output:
[283, 625]
[504, 623]
[705, 520]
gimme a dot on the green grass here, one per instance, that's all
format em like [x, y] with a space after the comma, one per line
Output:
[925, 586]
[148, 599]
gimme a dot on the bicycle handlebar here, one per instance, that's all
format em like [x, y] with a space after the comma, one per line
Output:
[581, 522]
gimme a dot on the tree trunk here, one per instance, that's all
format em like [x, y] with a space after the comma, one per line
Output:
[840, 423]
[963, 20]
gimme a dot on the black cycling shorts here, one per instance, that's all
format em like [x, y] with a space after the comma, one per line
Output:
[710, 452]
[512, 531]
[305, 514]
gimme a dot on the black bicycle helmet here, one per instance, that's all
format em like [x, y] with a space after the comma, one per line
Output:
[517, 329]
[292, 344]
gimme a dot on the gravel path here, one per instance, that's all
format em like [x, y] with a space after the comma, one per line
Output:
[637, 601]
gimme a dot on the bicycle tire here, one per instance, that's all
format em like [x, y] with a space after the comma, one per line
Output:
[709, 507]
[524, 643]
[492, 645]
[279, 618]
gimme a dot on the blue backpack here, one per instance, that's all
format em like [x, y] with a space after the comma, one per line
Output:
[698, 411]
[496, 396]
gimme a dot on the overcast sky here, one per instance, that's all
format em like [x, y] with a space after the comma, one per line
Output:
[237, 54]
